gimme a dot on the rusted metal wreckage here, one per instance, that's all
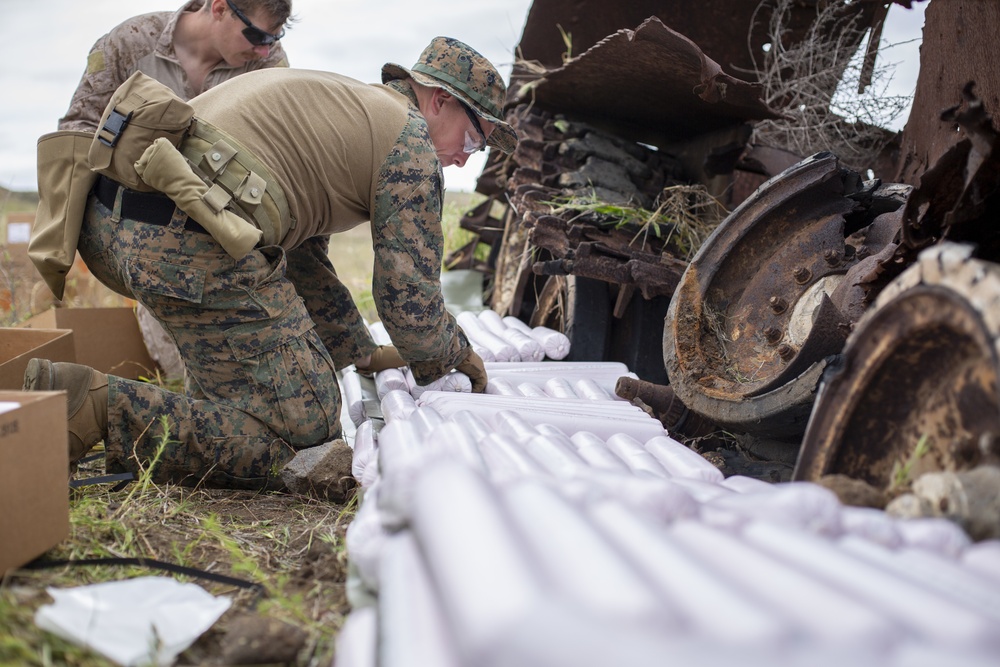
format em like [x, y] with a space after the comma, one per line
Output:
[846, 319]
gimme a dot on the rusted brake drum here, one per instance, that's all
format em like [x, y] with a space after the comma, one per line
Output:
[923, 363]
[751, 327]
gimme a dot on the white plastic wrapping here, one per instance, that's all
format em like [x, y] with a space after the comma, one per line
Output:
[484, 352]
[454, 381]
[803, 505]
[698, 594]
[508, 422]
[558, 387]
[635, 455]
[353, 396]
[531, 390]
[473, 425]
[821, 610]
[379, 334]
[585, 567]
[929, 616]
[744, 484]
[527, 347]
[501, 387]
[556, 454]
[555, 344]
[365, 539]
[933, 534]
[984, 559]
[483, 578]
[507, 458]
[413, 630]
[492, 322]
[389, 380]
[595, 451]
[652, 496]
[364, 449]
[356, 641]
[603, 373]
[871, 524]
[478, 334]
[587, 388]
[603, 418]
[457, 443]
[932, 570]
[680, 461]
[141, 621]
[397, 404]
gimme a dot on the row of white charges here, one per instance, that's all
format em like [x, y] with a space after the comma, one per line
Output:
[517, 531]
[547, 379]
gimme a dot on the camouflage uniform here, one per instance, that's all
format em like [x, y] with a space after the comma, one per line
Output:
[262, 336]
[144, 43]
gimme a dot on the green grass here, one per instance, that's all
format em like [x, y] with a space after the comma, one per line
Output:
[291, 546]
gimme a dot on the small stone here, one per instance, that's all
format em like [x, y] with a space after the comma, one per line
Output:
[255, 640]
[854, 492]
[323, 471]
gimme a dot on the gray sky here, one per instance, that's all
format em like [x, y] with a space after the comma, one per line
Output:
[44, 45]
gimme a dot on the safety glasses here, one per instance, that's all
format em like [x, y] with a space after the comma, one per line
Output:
[254, 35]
[472, 144]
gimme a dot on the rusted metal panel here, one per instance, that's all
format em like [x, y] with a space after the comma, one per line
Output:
[651, 84]
[959, 45]
[722, 28]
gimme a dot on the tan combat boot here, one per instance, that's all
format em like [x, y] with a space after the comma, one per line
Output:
[86, 400]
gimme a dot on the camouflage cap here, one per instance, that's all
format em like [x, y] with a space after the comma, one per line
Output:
[462, 71]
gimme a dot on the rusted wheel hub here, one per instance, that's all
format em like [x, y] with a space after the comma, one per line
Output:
[752, 325]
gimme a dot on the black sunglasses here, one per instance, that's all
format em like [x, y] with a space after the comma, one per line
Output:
[254, 35]
[475, 121]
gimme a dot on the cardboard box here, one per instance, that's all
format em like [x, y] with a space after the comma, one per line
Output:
[107, 339]
[19, 346]
[34, 475]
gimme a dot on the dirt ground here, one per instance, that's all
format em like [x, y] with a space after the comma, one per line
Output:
[290, 547]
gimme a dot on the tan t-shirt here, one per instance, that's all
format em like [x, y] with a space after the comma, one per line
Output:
[144, 44]
[324, 137]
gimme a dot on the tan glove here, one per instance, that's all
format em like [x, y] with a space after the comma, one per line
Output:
[383, 357]
[473, 366]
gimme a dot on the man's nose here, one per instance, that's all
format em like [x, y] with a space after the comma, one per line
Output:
[263, 50]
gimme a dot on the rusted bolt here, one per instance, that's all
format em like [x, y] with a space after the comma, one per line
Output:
[778, 305]
[772, 334]
[802, 275]
[786, 351]
[832, 257]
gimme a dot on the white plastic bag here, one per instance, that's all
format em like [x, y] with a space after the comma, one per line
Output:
[148, 620]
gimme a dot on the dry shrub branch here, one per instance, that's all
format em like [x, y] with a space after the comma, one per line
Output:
[802, 81]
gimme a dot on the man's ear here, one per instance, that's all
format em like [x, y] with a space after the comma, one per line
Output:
[438, 98]
[219, 8]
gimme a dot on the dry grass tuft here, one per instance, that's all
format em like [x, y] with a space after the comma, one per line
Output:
[683, 218]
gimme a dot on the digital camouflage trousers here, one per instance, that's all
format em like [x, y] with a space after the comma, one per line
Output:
[261, 382]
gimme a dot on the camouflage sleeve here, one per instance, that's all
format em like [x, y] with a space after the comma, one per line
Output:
[329, 302]
[409, 247]
[105, 72]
